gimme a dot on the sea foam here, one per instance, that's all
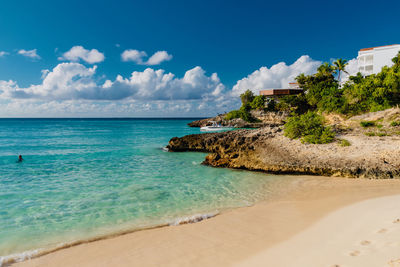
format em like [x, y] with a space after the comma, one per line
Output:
[193, 218]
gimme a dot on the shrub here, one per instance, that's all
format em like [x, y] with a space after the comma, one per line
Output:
[271, 105]
[296, 103]
[366, 124]
[395, 123]
[258, 102]
[310, 128]
[243, 113]
[234, 114]
[374, 92]
[344, 142]
[369, 134]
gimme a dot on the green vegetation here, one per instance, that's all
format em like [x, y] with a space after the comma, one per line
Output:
[381, 134]
[344, 142]
[258, 102]
[323, 92]
[247, 97]
[234, 114]
[395, 123]
[376, 134]
[248, 102]
[310, 128]
[340, 66]
[366, 124]
[296, 104]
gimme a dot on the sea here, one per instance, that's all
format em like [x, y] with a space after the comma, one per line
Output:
[84, 179]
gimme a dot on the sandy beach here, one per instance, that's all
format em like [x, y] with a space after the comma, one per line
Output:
[322, 222]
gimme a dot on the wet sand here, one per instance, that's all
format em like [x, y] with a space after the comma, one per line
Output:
[275, 232]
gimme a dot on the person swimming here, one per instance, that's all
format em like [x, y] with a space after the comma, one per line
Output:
[20, 159]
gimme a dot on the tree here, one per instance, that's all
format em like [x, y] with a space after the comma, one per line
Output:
[258, 102]
[321, 90]
[340, 66]
[247, 97]
[325, 69]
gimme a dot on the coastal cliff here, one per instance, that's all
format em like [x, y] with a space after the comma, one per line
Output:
[267, 149]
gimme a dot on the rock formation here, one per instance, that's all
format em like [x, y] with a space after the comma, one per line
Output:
[267, 149]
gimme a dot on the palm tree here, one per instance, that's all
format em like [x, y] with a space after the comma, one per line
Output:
[326, 69]
[340, 65]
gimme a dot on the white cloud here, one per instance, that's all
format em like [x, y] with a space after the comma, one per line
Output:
[3, 53]
[159, 57]
[133, 55]
[65, 81]
[29, 53]
[138, 57]
[278, 76]
[77, 53]
[75, 81]
[123, 108]
[73, 90]
[157, 84]
[351, 68]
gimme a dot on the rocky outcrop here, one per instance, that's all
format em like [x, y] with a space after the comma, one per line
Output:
[265, 119]
[266, 149]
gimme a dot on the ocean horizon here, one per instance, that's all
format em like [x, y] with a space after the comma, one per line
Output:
[85, 178]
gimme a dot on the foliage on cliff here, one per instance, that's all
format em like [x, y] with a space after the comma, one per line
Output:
[249, 102]
[243, 113]
[310, 128]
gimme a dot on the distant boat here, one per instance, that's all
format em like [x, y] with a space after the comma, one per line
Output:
[215, 127]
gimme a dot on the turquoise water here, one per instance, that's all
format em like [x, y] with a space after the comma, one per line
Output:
[83, 178]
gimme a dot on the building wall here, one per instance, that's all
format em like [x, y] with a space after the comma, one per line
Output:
[371, 61]
[383, 57]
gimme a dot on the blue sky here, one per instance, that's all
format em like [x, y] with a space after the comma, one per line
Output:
[239, 41]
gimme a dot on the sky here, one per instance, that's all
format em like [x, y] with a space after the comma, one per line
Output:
[172, 58]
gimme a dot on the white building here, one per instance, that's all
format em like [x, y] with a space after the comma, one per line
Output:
[371, 60]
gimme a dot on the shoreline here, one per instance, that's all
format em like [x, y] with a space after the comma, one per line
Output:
[216, 241]
[39, 252]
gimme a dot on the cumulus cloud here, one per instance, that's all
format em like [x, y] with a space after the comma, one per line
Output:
[351, 68]
[72, 89]
[65, 81]
[277, 76]
[133, 55]
[75, 81]
[78, 52]
[138, 57]
[29, 53]
[3, 53]
[159, 57]
[157, 84]
[106, 108]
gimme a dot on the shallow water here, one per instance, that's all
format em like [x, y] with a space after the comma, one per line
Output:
[83, 178]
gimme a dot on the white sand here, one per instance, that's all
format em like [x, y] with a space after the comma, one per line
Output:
[363, 234]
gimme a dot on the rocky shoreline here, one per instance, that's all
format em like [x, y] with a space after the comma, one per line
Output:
[267, 149]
